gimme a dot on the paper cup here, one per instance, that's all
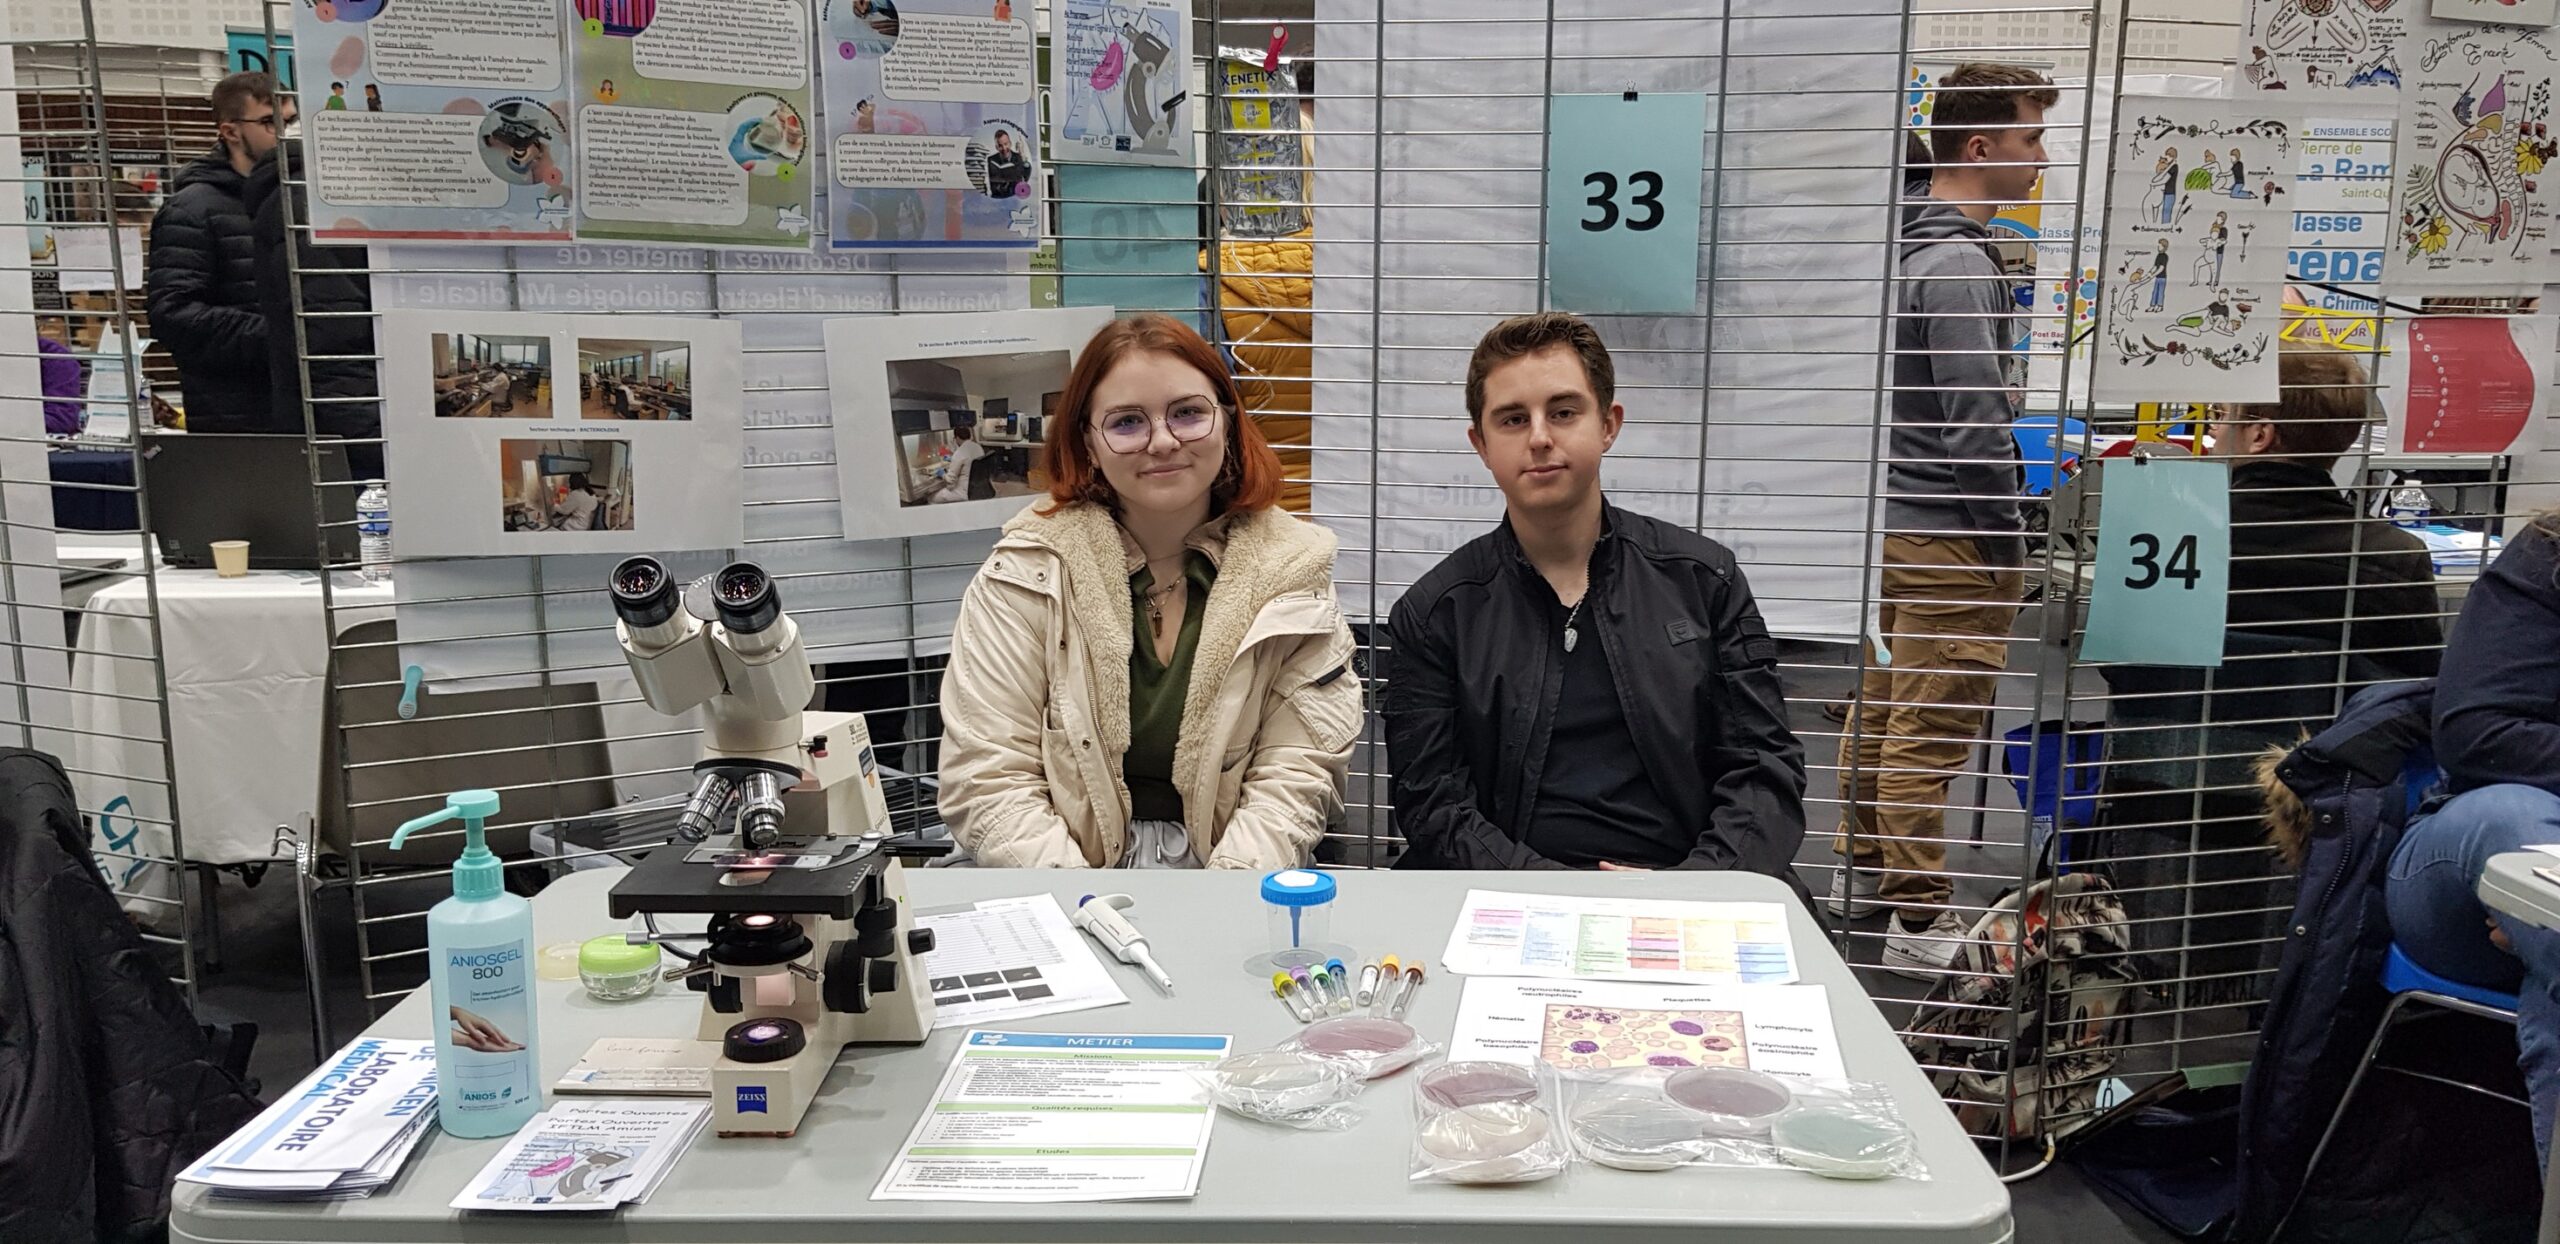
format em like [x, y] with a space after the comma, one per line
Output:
[230, 558]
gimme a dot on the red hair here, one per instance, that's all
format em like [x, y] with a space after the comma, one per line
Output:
[1251, 478]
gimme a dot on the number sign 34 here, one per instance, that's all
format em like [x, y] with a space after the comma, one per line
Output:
[2164, 562]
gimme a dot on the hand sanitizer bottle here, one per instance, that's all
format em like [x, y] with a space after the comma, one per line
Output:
[480, 976]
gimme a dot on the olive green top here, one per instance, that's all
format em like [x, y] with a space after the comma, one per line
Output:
[1157, 690]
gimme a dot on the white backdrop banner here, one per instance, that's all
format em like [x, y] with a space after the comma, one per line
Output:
[1764, 443]
[866, 600]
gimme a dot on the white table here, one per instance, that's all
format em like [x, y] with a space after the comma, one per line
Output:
[1261, 1183]
[2510, 887]
[247, 664]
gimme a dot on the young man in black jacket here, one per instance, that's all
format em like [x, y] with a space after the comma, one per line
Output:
[1583, 686]
[202, 284]
[336, 320]
[2305, 566]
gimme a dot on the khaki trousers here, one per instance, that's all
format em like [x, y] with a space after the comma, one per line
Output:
[1946, 616]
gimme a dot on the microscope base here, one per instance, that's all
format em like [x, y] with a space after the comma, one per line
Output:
[768, 1099]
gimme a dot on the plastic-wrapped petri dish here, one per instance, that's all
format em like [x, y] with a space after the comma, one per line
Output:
[1634, 1133]
[1377, 1046]
[1730, 1101]
[1489, 1143]
[1840, 1143]
[1281, 1081]
[1455, 1085]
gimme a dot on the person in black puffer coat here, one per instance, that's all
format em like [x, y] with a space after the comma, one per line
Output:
[202, 284]
[108, 1088]
[337, 318]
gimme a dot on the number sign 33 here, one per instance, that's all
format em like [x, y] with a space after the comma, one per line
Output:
[2164, 563]
[1624, 177]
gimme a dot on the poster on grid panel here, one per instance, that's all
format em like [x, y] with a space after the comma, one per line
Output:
[528, 433]
[2198, 194]
[1773, 460]
[475, 623]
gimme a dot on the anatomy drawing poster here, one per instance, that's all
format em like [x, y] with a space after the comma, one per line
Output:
[694, 121]
[2327, 49]
[2511, 12]
[436, 120]
[1120, 73]
[932, 123]
[2464, 384]
[2194, 257]
[2474, 207]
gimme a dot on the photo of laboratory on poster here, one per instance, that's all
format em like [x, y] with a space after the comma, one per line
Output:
[941, 419]
[523, 433]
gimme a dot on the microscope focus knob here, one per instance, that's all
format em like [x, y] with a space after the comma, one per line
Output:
[846, 988]
[884, 976]
[919, 941]
[725, 997]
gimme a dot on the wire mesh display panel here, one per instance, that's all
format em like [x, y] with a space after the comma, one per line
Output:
[95, 136]
[1361, 214]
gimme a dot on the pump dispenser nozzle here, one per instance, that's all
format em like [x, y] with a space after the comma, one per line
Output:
[478, 874]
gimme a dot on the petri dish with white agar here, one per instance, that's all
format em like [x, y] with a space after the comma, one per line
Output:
[1634, 1132]
[1840, 1143]
[1490, 1143]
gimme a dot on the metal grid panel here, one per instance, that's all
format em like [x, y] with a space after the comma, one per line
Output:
[1790, 338]
[94, 135]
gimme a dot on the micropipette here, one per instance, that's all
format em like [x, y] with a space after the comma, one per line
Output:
[1100, 916]
[1412, 981]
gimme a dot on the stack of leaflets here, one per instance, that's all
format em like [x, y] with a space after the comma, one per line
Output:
[587, 1155]
[342, 1133]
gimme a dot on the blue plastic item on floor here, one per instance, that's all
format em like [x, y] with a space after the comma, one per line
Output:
[2052, 794]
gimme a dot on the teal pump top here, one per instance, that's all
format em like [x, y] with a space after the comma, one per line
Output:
[478, 874]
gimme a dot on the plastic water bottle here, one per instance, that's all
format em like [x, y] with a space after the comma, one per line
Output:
[373, 529]
[2409, 505]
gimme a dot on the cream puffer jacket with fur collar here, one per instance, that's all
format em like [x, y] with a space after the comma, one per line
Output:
[1035, 704]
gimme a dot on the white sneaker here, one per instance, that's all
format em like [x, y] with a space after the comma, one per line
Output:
[1924, 954]
[1853, 891]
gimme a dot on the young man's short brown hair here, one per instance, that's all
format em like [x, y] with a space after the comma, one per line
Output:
[1982, 95]
[233, 95]
[1524, 335]
[2321, 411]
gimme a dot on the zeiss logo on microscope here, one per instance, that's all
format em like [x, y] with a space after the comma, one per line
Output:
[751, 1099]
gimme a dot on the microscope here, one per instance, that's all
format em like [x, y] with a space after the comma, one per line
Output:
[784, 845]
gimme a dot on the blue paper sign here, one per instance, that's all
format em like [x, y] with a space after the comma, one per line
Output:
[1129, 237]
[247, 46]
[2164, 563]
[1623, 175]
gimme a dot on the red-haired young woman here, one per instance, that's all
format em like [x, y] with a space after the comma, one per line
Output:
[1151, 670]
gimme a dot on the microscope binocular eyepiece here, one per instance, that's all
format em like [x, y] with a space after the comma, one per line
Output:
[644, 594]
[744, 597]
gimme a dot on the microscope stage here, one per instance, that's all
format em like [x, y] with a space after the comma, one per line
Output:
[667, 882]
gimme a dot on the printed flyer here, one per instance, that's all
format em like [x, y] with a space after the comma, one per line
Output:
[694, 119]
[933, 119]
[1117, 78]
[436, 120]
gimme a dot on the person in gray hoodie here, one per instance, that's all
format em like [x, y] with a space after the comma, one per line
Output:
[1953, 545]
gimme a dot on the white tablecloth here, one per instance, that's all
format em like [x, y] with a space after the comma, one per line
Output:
[248, 664]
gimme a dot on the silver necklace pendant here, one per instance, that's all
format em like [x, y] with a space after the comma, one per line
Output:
[1570, 637]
